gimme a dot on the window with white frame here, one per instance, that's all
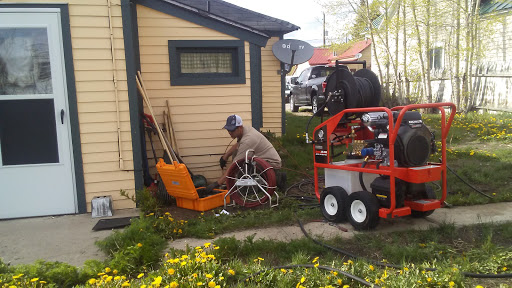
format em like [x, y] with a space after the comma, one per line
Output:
[436, 58]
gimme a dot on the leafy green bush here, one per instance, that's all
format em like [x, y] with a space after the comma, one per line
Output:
[137, 246]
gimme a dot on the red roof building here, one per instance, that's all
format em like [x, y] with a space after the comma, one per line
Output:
[349, 55]
[320, 56]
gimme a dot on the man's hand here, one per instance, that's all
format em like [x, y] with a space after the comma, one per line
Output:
[210, 187]
[222, 162]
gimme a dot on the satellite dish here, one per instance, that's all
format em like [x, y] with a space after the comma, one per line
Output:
[358, 55]
[291, 51]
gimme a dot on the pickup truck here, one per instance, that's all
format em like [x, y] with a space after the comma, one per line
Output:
[308, 90]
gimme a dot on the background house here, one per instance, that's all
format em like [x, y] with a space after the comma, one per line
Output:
[443, 52]
[76, 100]
[351, 54]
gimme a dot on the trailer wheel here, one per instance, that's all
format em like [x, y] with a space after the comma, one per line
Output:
[428, 194]
[333, 202]
[363, 210]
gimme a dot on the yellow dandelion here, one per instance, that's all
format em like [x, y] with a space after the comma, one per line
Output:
[157, 281]
[173, 284]
[314, 260]
[92, 281]
[107, 270]
[139, 244]
[140, 275]
[126, 284]
[372, 268]
[199, 283]
[231, 271]
[339, 281]
[209, 276]
[171, 271]
[34, 279]
[211, 284]
[451, 284]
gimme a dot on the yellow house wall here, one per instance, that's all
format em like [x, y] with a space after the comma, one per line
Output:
[90, 38]
[366, 54]
[198, 112]
[271, 87]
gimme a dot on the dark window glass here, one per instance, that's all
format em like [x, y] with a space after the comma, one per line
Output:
[436, 58]
[27, 132]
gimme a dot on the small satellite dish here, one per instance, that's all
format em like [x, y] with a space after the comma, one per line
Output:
[358, 55]
[291, 51]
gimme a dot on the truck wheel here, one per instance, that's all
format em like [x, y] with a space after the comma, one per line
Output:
[333, 203]
[294, 107]
[363, 210]
[314, 104]
[428, 194]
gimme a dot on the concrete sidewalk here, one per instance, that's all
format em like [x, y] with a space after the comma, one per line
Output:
[67, 238]
[70, 239]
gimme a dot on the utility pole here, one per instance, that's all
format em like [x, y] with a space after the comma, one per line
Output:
[324, 29]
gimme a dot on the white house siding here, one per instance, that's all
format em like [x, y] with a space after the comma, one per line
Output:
[493, 79]
[495, 38]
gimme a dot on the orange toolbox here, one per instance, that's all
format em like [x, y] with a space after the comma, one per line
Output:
[179, 184]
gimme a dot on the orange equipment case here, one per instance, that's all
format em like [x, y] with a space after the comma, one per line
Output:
[179, 184]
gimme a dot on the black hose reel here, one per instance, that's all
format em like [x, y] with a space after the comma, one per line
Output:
[360, 90]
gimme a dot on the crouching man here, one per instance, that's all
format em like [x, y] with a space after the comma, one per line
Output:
[248, 138]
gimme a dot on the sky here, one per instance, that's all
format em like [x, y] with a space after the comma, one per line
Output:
[306, 14]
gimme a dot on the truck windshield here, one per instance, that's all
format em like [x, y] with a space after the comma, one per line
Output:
[323, 71]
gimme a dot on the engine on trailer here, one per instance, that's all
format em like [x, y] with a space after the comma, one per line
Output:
[414, 143]
[366, 135]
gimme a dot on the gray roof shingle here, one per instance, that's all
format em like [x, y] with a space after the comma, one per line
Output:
[243, 16]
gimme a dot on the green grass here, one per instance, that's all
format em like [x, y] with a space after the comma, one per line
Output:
[297, 156]
[208, 225]
[479, 147]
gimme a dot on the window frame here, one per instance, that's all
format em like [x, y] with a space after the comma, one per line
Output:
[235, 47]
[433, 53]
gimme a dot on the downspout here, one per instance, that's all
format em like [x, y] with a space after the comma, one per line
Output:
[114, 71]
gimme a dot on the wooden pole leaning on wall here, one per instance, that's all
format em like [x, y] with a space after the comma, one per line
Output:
[173, 134]
[165, 144]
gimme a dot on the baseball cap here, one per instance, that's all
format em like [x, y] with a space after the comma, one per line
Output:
[232, 122]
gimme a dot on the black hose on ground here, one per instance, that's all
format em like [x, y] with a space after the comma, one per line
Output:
[353, 256]
[469, 185]
[348, 275]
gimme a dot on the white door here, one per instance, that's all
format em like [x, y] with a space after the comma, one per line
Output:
[36, 168]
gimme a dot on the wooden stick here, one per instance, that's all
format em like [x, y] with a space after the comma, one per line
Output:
[167, 129]
[173, 134]
[150, 108]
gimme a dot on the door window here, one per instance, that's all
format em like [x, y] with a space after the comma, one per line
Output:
[28, 132]
[24, 62]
